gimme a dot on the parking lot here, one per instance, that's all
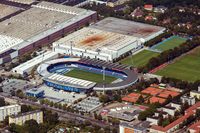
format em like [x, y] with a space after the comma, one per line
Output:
[12, 85]
[60, 96]
[89, 104]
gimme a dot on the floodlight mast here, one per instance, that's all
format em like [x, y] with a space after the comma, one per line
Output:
[104, 79]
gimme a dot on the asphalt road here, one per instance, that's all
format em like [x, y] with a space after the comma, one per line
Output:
[64, 115]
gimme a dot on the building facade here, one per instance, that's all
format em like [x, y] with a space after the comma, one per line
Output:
[35, 93]
[20, 119]
[9, 110]
[44, 31]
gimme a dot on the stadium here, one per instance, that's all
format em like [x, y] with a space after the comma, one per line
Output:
[112, 76]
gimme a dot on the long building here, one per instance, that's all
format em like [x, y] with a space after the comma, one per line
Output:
[28, 30]
[25, 68]
[95, 43]
[173, 126]
[9, 110]
[142, 31]
[108, 39]
[20, 119]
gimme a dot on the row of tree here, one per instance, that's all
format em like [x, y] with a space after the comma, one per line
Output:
[31, 126]
[167, 3]
[171, 54]
[158, 39]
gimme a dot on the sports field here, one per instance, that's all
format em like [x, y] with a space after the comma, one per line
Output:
[139, 59]
[90, 76]
[170, 43]
[186, 68]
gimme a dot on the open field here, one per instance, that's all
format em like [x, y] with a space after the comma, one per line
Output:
[170, 43]
[139, 59]
[90, 76]
[186, 68]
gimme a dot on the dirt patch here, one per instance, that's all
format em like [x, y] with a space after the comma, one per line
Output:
[147, 30]
[90, 41]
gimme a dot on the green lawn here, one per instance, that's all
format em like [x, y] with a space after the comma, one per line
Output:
[186, 68]
[171, 43]
[90, 76]
[139, 59]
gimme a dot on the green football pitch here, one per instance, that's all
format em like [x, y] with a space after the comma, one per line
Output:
[186, 68]
[89, 76]
[140, 59]
[170, 43]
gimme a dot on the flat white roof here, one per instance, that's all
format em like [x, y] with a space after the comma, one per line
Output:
[9, 106]
[95, 40]
[23, 1]
[126, 27]
[71, 81]
[30, 25]
[6, 10]
[35, 61]
[7, 42]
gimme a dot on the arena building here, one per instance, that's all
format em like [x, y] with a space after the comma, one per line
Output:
[95, 43]
[142, 31]
[54, 74]
[108, 39]
[42, 24]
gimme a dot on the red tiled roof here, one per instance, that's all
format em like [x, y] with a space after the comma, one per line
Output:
[166, 93]
[190, 111]
[195, 127]
[157, 99]
[132, 97]
[148, 6]
[151, 91]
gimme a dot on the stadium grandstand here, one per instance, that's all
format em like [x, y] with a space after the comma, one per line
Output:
[68, 83]
[27, 30]
[54, 74]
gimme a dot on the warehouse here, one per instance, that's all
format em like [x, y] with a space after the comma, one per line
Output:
[7, 10]
[142, 31]
[26, 67]
[26, 31]
[95, 43]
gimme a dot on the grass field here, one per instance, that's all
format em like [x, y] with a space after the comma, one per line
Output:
[186, 68]
[170, 43]
[90, 76]
[139, 59]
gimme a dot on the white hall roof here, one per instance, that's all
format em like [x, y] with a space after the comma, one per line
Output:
[74, 82]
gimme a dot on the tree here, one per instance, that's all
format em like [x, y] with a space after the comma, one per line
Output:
[198, 113]
[25, 108]
[148, 112]
[2, 102]
[5, 121]
[104, 98]
[117, 97]
[31, 126]
[184, 107]
[1, 89]
[20, 94]
[140, 100]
